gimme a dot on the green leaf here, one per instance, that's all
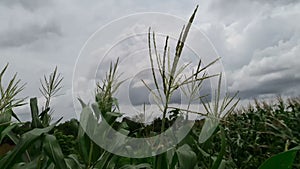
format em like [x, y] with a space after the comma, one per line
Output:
[6, 131]
[104, 160]
[33, 164]
[73, 162]
[208, 129]
[88, 121]
[82, 103]
[44, 117]
[8, 94]
[27, 139]
[54, 152]
[13, 137]
[114, 114]
[83, 146]
[186, 156]
[5, 119]
[139, 166]
[88, 150]
[22, 165]
[218, 162]
[36, 122]
[161, 161]
[172, 157]
[282, 160]
[15, 115]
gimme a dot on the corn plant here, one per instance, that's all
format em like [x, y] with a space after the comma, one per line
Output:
[259, 131]
[36, 148]
[170, 72]
[9, 100]
[8, 95]
[49, 89]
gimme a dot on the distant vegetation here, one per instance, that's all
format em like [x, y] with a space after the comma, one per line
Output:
[264, 135]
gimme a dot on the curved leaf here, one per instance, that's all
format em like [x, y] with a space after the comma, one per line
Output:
[282, 160]
[208, 129]
[73, 162]
[186, 156]
[6, 131]
[54, 152]
[26, 140]
[139, 166]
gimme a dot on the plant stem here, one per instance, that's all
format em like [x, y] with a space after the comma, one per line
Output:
[164, 115]
[90, 154]
[222, 151]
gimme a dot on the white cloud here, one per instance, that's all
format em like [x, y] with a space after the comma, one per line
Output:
[272, 70]
[257, 40]
[238, 29]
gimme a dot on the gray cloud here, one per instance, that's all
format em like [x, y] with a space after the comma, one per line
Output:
[28, 34]
[276, 2]
[28, 4]
[274, 70]
[287, 86]
[239, 28]
[257, 40]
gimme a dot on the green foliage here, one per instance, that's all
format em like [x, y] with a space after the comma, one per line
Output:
[282, 160]
[139, 166]
[34, 147]
[26, 141]
[215, 113]
[67, 143]
[250, 136]
[66, 135]
[8, 101]
[9, 93]
[51, 86]
[258, 132]
[53, 151]
[5, 119]
[171, 72]
[49, 89]
[187, 158]
[68, 128]
[36, 121]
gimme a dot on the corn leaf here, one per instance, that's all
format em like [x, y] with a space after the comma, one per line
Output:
[186, 156]
[282, 160]
[25, 142]
[54, 152]
[36, 122]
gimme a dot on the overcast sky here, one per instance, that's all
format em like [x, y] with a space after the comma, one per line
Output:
[258, 40]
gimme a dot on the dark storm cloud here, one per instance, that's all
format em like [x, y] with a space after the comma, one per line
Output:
[288, 85]
[27, 4]
[28, 34]
[141, 95]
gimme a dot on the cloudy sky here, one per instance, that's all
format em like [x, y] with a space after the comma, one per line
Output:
[258, 40]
